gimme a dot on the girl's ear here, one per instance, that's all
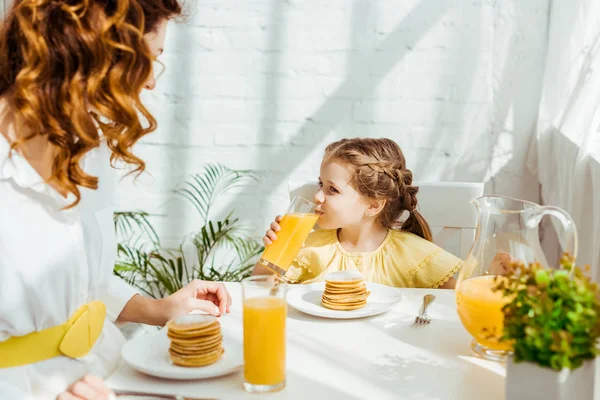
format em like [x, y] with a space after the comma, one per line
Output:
[374, 207]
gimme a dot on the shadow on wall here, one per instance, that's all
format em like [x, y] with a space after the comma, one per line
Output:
[181, 87]
[517, 91]
[494, 148]
[364, 75]
[498, 131]
[443, 148]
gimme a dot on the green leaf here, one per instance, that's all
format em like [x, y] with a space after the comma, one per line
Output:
[204, 188]
[552, 317]
[541, 278]
[220, 250]
[131, 223]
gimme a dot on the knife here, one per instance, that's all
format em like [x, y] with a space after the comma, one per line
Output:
[157, 395]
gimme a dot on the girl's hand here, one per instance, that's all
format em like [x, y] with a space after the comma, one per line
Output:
[87, 388]
[500, 265]
[270, 236]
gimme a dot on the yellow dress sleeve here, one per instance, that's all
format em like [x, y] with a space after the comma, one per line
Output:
[419, 263]
[437, 269]
[313, 258]
[299, 272]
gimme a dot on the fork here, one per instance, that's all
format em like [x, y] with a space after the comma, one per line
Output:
[423, 318]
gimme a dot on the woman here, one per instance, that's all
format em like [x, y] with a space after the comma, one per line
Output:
[71, 72]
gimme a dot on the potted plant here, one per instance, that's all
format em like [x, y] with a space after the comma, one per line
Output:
[553, 323]
[220, 250]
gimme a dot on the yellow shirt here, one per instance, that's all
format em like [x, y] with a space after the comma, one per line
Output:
[402, 260]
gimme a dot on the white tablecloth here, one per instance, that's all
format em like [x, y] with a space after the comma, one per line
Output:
[381, 357]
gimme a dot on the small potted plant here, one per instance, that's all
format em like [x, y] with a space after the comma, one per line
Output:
[553, 323]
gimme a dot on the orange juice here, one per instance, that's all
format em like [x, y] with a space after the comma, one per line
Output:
[294, 231]
[264, 340]
[480, 310]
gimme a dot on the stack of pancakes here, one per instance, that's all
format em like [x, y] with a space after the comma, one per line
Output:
[195, 340]
[345, 290]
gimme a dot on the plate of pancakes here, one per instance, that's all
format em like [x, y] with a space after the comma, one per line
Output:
[343, 295]
[189, 347]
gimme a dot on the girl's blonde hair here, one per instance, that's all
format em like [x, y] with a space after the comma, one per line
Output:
[379, 172]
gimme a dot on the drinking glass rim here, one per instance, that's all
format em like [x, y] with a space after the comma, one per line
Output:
[262, 280]
[302, 198]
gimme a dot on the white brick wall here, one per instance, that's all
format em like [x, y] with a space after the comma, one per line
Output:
[4, 4]
[266, 84]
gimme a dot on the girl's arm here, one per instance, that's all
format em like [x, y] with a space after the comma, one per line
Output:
[451, 284]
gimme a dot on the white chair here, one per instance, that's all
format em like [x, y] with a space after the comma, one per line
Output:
[445, 205]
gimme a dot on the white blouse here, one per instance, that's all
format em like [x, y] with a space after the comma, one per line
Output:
[51, 262]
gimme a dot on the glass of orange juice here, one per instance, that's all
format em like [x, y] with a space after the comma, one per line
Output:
[265, 312]
[296, 224]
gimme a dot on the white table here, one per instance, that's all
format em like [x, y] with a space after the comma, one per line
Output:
[382, 357]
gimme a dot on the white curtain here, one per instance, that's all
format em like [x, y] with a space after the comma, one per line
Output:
[565, 152]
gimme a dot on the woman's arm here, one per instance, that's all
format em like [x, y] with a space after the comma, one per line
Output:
[210, 297]
[142, 310]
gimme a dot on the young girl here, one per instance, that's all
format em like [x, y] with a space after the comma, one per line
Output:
[364, 189]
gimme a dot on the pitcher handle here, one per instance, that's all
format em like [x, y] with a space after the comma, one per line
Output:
[570, 231]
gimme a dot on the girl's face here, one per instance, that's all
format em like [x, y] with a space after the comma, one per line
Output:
[339, 205]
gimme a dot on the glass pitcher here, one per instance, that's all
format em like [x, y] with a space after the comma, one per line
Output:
[507, 229]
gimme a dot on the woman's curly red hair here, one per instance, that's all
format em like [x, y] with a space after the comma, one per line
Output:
[61, 58]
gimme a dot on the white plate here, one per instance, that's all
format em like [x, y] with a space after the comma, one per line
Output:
[150, 354]
[307, 298]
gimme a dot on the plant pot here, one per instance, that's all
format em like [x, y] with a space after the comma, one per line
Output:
[529, 381]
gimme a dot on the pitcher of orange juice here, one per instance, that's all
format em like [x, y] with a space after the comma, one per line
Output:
[296, 224]
[507, 229]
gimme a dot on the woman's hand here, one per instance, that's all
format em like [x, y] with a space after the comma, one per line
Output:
[210, 297]
[87, 388]
[270, 235]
